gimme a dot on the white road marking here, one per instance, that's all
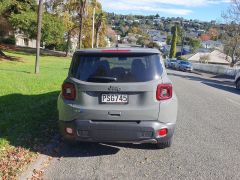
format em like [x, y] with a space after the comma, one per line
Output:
[234, 102]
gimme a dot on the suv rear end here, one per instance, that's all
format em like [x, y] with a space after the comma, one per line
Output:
[118, 95]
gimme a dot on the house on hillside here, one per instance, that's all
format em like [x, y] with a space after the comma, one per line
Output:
[23, 41]
[214, 57]
[209, 44]
[160, 40]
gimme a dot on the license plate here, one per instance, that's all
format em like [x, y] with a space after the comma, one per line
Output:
[114, 98]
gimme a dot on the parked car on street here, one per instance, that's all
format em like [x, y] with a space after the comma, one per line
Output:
[171, 63]
[237, 80]
[184, 66]
[118, 95]
[176, 65]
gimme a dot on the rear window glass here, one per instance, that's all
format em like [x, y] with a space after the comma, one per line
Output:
[184, 62]
[116, 68]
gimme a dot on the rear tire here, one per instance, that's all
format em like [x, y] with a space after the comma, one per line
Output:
[70, 142]
[163, 145]
[238, 84]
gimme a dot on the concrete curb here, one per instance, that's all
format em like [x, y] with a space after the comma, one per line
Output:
[40, 162]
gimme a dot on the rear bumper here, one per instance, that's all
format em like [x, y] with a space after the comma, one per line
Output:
[186, 69]
[109, 131]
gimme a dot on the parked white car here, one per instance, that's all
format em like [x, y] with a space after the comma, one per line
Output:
[237, 80]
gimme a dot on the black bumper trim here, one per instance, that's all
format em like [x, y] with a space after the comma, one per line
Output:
[122, 132]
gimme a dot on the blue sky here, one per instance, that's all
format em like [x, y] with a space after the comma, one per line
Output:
[204, 10]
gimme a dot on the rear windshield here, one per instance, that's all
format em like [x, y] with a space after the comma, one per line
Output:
[184, 62]
[116, 68]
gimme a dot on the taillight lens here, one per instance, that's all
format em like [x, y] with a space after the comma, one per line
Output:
[164, 92]
[162, 132]
[68, 91]
[69, 131]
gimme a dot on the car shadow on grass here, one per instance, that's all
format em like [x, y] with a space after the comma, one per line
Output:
[225, 84]
[30, 121]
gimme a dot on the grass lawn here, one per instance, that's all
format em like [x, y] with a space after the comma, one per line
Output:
[28, 113]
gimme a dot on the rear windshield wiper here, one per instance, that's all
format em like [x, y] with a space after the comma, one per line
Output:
[102, 79]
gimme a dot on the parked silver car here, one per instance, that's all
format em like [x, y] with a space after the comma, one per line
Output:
[118, 95]
[237, 80]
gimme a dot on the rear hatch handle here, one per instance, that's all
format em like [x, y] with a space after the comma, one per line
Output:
[114, 113]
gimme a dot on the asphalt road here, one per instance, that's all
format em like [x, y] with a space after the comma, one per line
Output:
[206, 142]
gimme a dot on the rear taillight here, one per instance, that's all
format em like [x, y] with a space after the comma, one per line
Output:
[162, 132]
[164, 92]
[68, 91]
[69, 131]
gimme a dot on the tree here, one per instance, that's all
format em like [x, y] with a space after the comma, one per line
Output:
[205, 37]
[143, 41]
[231, 37]
[195, 43]
[100, 18]
[2, 8]
[179, 33]
[12, 7]
[3, 20]
[68, 12]
[204, 58]
[173, 50]
[69, 24]
[77, 9]
[39, 28]
[169, 39]
[87, 27]
[213, 33]
[94, 3]
[52, 26]
[153, 45]
[82, 12]
[232, 43]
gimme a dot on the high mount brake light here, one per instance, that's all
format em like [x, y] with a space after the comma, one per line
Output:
[115, 51]
[68, 91]
[164, 92]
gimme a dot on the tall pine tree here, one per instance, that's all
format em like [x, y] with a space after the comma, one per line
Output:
[173, 50]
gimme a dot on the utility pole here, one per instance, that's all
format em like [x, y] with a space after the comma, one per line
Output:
[39, 34]
[93, 26]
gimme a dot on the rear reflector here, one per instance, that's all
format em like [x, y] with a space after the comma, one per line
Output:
[69, 131]
[162, 132]
[68, 91]
[115, 51]
[164, 92]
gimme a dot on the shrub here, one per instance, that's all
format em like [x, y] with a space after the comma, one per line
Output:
[182, 58]
[10, 40]
[204, 58]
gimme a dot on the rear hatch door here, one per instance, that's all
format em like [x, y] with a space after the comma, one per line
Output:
[119, 87]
